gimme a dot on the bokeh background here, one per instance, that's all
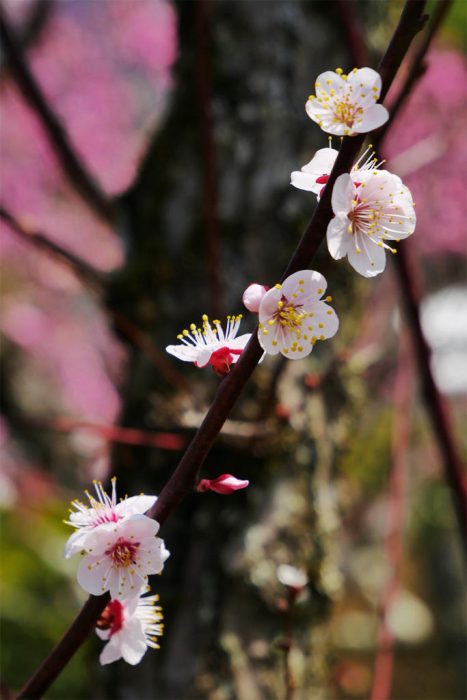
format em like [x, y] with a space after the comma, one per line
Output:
[190, 117]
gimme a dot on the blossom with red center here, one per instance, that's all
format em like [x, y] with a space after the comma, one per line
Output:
[293, 316]
[224, 484]
[210, 344]
[102, 510]
[368, 212]
[119, 557]
[129, 626]
[344, 105]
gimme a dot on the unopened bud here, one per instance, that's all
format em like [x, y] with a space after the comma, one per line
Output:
[224, 484]
[252, 296]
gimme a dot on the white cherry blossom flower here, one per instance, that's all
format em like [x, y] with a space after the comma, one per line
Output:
[120, 556]
[130, 626]
[369, 211]
[292, 316]
[211, 345]
[314, 175]
[344, 105]
[103, 509]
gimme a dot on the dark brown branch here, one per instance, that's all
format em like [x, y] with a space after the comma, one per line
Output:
[82, 270]
[83, 181]
[210, 206]
[181, 482]
[75, 635]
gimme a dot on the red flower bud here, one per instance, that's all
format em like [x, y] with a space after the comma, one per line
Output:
[224, 484]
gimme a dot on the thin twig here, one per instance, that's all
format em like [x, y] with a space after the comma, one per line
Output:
[180, 484]
[210, 200]
[82, 180]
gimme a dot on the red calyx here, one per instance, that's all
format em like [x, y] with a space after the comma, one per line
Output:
[111, 618]
[221, 360]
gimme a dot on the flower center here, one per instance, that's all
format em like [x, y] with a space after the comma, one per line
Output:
[288, 316]
[123, 553]
[111, 618]
[344, 112]
[222, 358]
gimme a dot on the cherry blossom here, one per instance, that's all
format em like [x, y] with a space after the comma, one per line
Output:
[129, 626]
[252, 296]
[344, 105]
[210, 345]
[119, 557]
[224, 484]
[314, 175]
[367, 214]
[292, 316]
[103, 509]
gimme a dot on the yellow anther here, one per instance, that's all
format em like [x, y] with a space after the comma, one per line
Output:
[328, 298]
[320, 325]
[278, 286]
[271, 322]
[339, 71]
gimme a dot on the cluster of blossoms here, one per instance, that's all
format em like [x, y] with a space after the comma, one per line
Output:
[119, 550]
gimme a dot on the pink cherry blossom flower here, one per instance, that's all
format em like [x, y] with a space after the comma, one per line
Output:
[129, 626]
[208, 345]
[103, 509]
[119, 557]
[224, 484]
[344, 105]
[252, 296]
[292, 316]
[367, 214]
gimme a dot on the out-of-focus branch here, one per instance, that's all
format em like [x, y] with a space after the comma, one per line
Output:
[182, 480]
[85, 272]
[352, 31]
[210, 204]
[82, 180]
[384, 663]
[416, 69]
[406, 277]
[110, 433]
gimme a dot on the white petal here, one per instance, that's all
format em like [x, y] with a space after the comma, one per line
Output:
[305, 181]
[324, 321]
[133, 643]
[90, 573]
[111, 652]
[203, 355]
[372, 118]
[330, 80]
[75, 543]
[103, 634]
[322, 162]
[369, 77]
[238, 344]
[138, 526]
[135, 504]
[309, 281]
[338, 238]
[268, 340]
[183, 352]
[368, 264]
[343, 193]
[268, 305]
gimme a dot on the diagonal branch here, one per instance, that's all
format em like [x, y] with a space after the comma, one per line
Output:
[84, 271]
[181, 482]
[82, 180]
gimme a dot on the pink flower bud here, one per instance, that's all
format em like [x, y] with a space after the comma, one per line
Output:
[252, 296]
[225, 484]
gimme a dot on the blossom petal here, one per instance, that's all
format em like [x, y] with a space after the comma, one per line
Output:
[322, 162]
[91, 571]
[304, 284]
[305, 181]
[337, 236]
[135, 505]
[133, 644]
[110, 653]
[368, 264]
[183, 352]
[268, 304]
[75, 543]
[324, 321]
[343, 193]
[372, 118]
